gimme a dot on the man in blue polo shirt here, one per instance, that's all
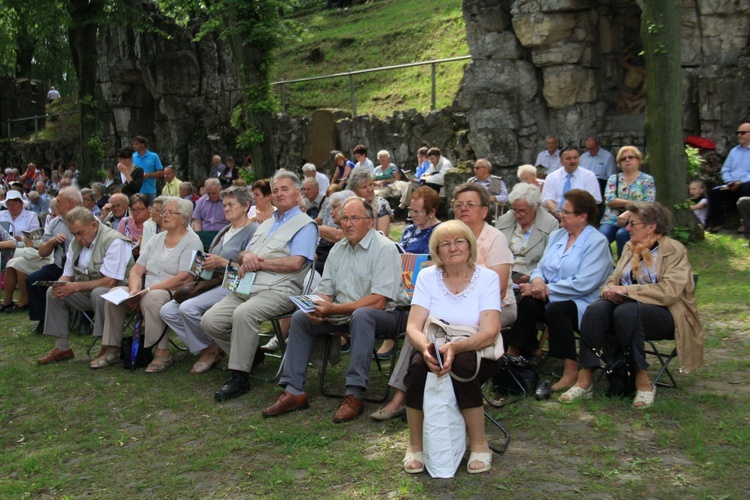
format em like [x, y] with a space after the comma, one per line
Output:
[151, 165]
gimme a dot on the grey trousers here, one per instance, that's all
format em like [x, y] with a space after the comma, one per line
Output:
[151, 303]
[185, 319]
[57, 317]
[234, 323]
[364, 323]
[507, 317]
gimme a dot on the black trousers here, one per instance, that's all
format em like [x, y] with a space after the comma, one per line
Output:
[603, 318]
[38, 294]
[468, 394]
[562, 322]
[716, 196]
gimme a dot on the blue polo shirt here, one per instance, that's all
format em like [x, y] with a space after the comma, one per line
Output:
[150, 163]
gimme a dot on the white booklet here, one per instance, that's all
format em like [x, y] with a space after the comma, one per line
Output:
[234, 283]
[119, 295]
[306, 303]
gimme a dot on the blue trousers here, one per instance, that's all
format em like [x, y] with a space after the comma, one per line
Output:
[612, 233]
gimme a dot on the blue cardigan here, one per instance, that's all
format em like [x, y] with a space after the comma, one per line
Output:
[583, 270]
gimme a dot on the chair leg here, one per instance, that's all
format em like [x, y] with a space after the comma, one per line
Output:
[664, 359]
[378, 400]
[276, 326]
[502, 429]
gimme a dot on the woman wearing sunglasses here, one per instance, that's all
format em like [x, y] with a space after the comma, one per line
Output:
[622, 189]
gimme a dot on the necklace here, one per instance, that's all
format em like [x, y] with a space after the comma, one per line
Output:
[456, 288]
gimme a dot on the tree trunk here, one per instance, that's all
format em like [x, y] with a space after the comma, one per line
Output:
[660, 30]
[85, 15]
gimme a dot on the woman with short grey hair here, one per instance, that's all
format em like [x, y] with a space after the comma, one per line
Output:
[185, 317]
[527, 227]
[362, 182]
[163, 266]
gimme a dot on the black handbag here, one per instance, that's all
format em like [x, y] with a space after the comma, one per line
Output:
[517, 376]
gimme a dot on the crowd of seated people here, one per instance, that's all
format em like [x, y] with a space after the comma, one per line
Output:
[282, 229]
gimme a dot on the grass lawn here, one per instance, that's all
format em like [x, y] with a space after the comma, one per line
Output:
[384, 33]
[68, 431]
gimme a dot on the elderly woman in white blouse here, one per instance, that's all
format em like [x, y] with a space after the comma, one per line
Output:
[163, 266]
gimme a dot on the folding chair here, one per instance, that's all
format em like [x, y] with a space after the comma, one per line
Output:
[279, 334]
[5, 255]
[664, 358]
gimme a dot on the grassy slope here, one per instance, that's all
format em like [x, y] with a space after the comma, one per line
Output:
[384, 33]
[66, 430]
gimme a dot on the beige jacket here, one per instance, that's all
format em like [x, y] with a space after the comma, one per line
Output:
[675, 291]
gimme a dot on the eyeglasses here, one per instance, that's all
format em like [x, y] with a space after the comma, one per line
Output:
[459, 242]
[417, 212]
[461, 206]
[171, 214]
[138, 209]
[565, 213]
[629, 157]
[354, 219]
[521, 212]
[152, 209]
[742, 132]
[634, 224]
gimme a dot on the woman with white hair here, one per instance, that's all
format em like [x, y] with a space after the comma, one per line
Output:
[163, 266]
[527, 174]
[527, 227]
[362, 182]
[387, 177]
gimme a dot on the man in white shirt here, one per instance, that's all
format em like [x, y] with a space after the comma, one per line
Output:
[566, 178]
[310, 170]
[550, 157]
[598, 160]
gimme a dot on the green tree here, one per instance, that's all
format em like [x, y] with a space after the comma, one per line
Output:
[34, 41]
[660, 30]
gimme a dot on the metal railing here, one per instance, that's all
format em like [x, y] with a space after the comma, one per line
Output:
[42, 117]
[351, 74]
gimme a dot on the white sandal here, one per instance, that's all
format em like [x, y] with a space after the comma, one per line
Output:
[645, 398]
[485, 458]
[417, 456]
[576, 393]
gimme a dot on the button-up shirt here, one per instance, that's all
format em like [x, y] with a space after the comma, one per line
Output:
[602, 163]
[737, 165]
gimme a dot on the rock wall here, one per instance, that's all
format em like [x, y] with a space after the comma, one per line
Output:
[171, 89]
[553, 67]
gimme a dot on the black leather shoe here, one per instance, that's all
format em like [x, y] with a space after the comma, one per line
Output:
[237, 385]
[543, 390]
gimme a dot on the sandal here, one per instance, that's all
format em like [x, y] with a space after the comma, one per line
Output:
[417, 456]
[576, 392]
[107, 358]
[644, 399]
[204, 366]
[159, 364]
[485, 458]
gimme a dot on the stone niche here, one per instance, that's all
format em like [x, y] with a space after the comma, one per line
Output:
[559, 72]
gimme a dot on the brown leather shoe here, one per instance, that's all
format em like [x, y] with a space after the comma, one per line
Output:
[287, 402]
[350, 409]
[56, 355]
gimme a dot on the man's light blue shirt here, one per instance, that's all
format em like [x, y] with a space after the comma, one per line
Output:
[737, 165]
[602, 163]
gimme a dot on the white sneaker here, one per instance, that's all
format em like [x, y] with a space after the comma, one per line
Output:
[272, 345]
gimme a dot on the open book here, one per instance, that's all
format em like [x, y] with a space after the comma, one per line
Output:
[234, 283]
[411, 264]
[119, 295]
[35, 235]
[409, 175]
[196, 267]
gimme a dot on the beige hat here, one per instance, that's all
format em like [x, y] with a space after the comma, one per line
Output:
[14, 195]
